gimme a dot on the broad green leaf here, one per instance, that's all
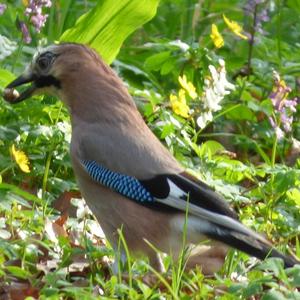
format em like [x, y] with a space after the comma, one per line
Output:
[241, 112]
[252, 289]
[273, 295]
[5, 77]
[18, 272]
[155, 61]
[275, 265]
[232, 170]
[211, 147]
[267, 107]
[168, 66]
[19, 192]
[294, 194]
[106, 26]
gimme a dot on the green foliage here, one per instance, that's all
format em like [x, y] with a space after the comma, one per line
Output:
[109, 23]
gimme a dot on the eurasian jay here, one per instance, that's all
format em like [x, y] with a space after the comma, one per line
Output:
[127, 177]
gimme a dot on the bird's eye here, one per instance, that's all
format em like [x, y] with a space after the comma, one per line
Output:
[43, 63]
[45, 60]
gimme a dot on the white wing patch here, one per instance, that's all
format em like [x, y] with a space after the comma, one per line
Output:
[174, 200]
[175, 191]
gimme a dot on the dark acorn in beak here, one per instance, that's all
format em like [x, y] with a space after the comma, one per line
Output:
[11, 95]
[38, 74]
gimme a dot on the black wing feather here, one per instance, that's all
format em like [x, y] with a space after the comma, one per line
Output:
[198, 192]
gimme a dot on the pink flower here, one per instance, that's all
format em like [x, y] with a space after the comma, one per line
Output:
[25, 32]
[38, 21]
[283, 108]
[34, 11]
[2, 8]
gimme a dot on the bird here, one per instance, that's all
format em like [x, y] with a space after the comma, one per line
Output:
[128, 178]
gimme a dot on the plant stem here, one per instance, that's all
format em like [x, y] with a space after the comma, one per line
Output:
[251, 42]
[274, 149]
[49, 157]
[6, 169]
[128, 258]
[20, 47]
[278, 33]
[47, 168]
[271, 201]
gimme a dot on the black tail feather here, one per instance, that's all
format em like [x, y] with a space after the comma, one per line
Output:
[249, 245]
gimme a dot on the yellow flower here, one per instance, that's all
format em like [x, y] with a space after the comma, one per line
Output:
[25, 2]
[235, 28]
[188, 86]
[216, 36]
[21, 159]
[179, 105]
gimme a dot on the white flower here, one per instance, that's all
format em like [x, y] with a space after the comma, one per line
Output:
[220, 83]
[82, 208]
[214, 73]
[279, 133]
[178, 43]
[215, 89]
[212, 99]
[204, 119]
[226, 84]
[65, 127]
[7, 47]
[4, 234]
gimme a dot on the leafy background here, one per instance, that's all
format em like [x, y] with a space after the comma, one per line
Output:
[50, 244]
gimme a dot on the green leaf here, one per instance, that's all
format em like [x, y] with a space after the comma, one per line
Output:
[156, 61]
[109, 23]
[241, 112]
[294, 273]
[267, 107]
[233, 170]
[273, 295]
[294, 194]
[168, 66]
[18, 272]
[211, 148]
[283, 181]
[19, 192]
[5, 77]
[167, 130]
[274, 265]
[253, 288]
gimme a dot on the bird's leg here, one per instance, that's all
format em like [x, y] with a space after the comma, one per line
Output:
[210, 258]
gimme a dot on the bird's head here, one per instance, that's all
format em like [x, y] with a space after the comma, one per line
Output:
[56, 69]
[80, 78]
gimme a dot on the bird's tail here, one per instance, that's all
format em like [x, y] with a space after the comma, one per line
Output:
[249, 244]
[230, 231]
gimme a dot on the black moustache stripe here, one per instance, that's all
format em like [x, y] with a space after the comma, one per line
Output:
[44, 81]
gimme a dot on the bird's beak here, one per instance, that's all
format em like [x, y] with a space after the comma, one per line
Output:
[12, 96]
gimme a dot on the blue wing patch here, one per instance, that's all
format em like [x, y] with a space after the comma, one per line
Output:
[123, 184]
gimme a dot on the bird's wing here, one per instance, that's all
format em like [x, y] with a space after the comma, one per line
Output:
[175, 191]
[181, 193]
[190, 189]
[159, 188]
